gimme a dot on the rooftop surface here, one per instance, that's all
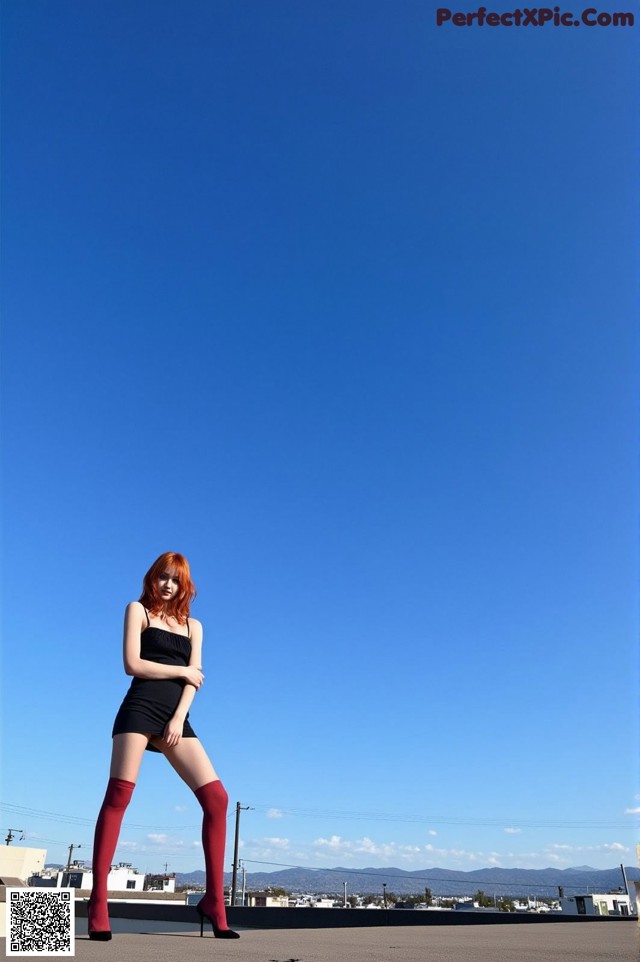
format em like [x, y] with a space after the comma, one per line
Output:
[608, 942]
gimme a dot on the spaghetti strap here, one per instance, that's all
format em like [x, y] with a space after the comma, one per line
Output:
[147, 614]
[188, 629]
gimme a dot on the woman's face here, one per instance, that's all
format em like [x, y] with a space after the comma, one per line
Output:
[168, 584]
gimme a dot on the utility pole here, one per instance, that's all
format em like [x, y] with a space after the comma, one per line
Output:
[71, 848]
[10, 837]
[624, 879]
[236, 845]
[384, 893]
[345, 894]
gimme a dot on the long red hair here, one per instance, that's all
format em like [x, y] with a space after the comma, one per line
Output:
[179, 605]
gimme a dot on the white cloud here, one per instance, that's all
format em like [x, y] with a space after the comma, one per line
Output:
[431, 832]
[335, 849]
[452, 854]
[335, 842]
[153, 839]
[632, 811]
[575, 849]
[363, 851]
[269, 848]
[180, 808]
[277, 842]
[275, 813]
[366, 846]
[158, 843]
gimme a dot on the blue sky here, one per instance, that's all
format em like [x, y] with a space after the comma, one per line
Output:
[342, 305]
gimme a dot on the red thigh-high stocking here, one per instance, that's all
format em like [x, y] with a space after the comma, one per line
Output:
[116, 799]
[214, 799]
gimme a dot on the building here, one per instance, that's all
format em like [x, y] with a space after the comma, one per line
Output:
[160, 883]
[122, 878]
[610, 903]
[266, 900]
[17, 861]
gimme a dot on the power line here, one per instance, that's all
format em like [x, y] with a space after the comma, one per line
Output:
[437, 819]
[426, 819]
[36, 839]
[80, 820]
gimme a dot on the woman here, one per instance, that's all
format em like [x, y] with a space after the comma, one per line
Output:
[163, 652]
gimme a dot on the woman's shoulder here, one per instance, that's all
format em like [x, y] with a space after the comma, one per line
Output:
[135, 611]
[135, 606]
[196, 628]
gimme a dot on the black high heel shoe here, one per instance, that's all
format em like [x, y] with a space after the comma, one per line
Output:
[218, 933]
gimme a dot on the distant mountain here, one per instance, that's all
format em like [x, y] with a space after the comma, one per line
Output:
[196, 878]
[498, 881]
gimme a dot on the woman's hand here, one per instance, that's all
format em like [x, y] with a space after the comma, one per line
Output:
[193, 676]
[173, 731]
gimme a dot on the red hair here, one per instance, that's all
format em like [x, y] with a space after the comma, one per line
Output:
[178, 607]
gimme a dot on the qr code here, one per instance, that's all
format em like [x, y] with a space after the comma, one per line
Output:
[40, 921]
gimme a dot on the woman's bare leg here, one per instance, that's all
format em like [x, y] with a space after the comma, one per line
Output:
[126, 755]
[189, 759]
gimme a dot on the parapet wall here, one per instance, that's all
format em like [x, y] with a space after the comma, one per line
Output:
[303, 918]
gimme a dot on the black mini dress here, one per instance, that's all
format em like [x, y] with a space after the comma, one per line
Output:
[150, 702]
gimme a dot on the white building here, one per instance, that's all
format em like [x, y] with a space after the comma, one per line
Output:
[266, 900]
[122, 878]
[18, 861]
[610, 903]
[160, 883]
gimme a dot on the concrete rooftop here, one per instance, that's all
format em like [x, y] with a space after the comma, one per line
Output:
[594, 942]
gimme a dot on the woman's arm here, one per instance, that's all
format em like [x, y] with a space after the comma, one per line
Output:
[142, 668]
[173, 729]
